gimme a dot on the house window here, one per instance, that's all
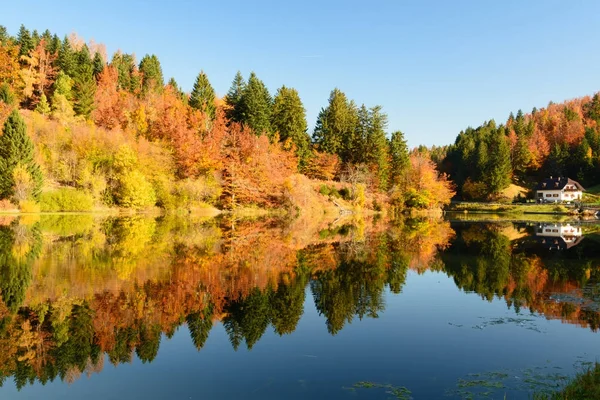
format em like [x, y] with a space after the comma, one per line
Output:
[554, 195]
[548, 195]
[540, 194]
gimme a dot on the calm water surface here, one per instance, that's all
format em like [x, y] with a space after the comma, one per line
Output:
[173, 308]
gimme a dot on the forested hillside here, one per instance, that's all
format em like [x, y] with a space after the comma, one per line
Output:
[92, 132]
[559, 140]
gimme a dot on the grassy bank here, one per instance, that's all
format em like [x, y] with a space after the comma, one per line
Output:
[585, 386]
[514, 209]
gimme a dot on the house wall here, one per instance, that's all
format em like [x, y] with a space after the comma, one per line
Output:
[558, 195]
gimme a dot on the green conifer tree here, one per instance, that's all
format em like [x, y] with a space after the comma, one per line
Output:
[98, 65]
[6, 95]
[399, 159]
[66, 58]
[4, 36]
[499, 172]
[256, 106]
[24, 41]
[289, 120]
[16, 148]
[203, 96]
[336, 124]
[152, 76]
[42, 106]
[234, 97]
[84, 90]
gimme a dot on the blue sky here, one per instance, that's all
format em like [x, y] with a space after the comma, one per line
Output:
[436, 67]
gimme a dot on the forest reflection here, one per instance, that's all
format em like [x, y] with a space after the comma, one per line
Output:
[77, 288]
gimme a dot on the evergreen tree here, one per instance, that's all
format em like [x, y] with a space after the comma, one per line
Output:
[4, 36]
[24, 41]
[84, 90]
[16, 148]
[6, 95]
[336, 124]
[256, 106]
[556, 161]
[521, 155]
[234, 97]
[399, 158]
[375, 148]
[53, 46]
[289, 120]
[173, 83]
[498, 173]
[66, 58]
[203, 96]
[200, 325]
[35, 38]
[43, 107]
[98, 65]
[152, 76]
[125, 65]
[83, 59]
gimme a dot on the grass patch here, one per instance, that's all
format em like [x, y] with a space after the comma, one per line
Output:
[509, 208]
[585, 385]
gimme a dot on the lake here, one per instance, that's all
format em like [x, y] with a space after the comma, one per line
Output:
[187, 308]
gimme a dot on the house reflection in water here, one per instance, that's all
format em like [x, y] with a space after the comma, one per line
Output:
[558, 236]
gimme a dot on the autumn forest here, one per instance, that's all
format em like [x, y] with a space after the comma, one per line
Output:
[84, 132]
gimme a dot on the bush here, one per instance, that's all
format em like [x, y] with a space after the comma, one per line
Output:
[415, 199]
[346, 194]
[190, 191]
[29, 206]
[334, 193]
[66, 199]
[135, 191]
[324, 190]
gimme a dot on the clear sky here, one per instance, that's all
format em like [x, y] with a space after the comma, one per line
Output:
[436, 67]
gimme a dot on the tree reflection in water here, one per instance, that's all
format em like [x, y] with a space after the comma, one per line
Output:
[76, 288]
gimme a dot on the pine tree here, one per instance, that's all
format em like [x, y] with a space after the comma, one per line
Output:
[399, 159]
[35, 38]
[42, 106]
[4, 36]
[53, 46]
[84, 90]
[234, 97]
[66, 58]
[521, 157]
[377, 145]
[173, 83]
[16, 148]
[336, 124]
[98, 65]
[499, 171]
[289, 120]
[24, 41]
[256, 106]
[152, 76]
[6, 95]
[203, 96]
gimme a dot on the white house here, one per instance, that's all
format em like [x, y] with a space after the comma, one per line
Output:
[559, 236]
[559, 189]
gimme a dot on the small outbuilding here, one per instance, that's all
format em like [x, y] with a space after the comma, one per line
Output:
[554, 190]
